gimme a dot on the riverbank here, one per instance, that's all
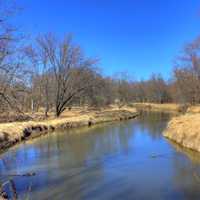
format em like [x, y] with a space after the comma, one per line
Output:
[167, 107]
[16, 132]
[185, 130]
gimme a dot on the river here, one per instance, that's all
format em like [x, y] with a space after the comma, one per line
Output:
[122, 160]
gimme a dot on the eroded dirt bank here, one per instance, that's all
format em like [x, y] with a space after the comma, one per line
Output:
[15, 132]
[185, 130]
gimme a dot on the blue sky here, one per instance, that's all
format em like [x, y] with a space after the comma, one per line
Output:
[139, 37]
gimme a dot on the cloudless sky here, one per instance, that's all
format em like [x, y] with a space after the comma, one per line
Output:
[139, 37]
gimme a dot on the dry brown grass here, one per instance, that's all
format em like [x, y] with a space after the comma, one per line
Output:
[167, 107]
[185, 130]
[194, 109]
[73, 118]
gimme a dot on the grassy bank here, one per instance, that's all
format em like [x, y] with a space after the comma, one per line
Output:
[185, 130]
[15, 132]
[167, 107]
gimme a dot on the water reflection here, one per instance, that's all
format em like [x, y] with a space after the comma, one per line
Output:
[154, 123]
[111, 161]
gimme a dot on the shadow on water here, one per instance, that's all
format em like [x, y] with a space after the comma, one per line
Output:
[123, 160]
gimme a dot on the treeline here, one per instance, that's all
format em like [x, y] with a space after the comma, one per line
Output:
[54, 74]
[184, 85]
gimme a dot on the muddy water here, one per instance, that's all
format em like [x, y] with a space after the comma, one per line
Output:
[126, 160]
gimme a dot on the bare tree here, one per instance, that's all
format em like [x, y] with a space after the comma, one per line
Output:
[71, 73]
[187, 73]
[12, 68]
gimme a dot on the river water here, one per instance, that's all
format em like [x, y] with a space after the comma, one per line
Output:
[122, 160]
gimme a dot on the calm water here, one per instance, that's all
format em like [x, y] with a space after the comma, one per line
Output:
[126, 160]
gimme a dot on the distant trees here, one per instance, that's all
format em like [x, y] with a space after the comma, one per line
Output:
[123, 88]
[101, 94]
[184, 86]
[155, 90]
[187, 74]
